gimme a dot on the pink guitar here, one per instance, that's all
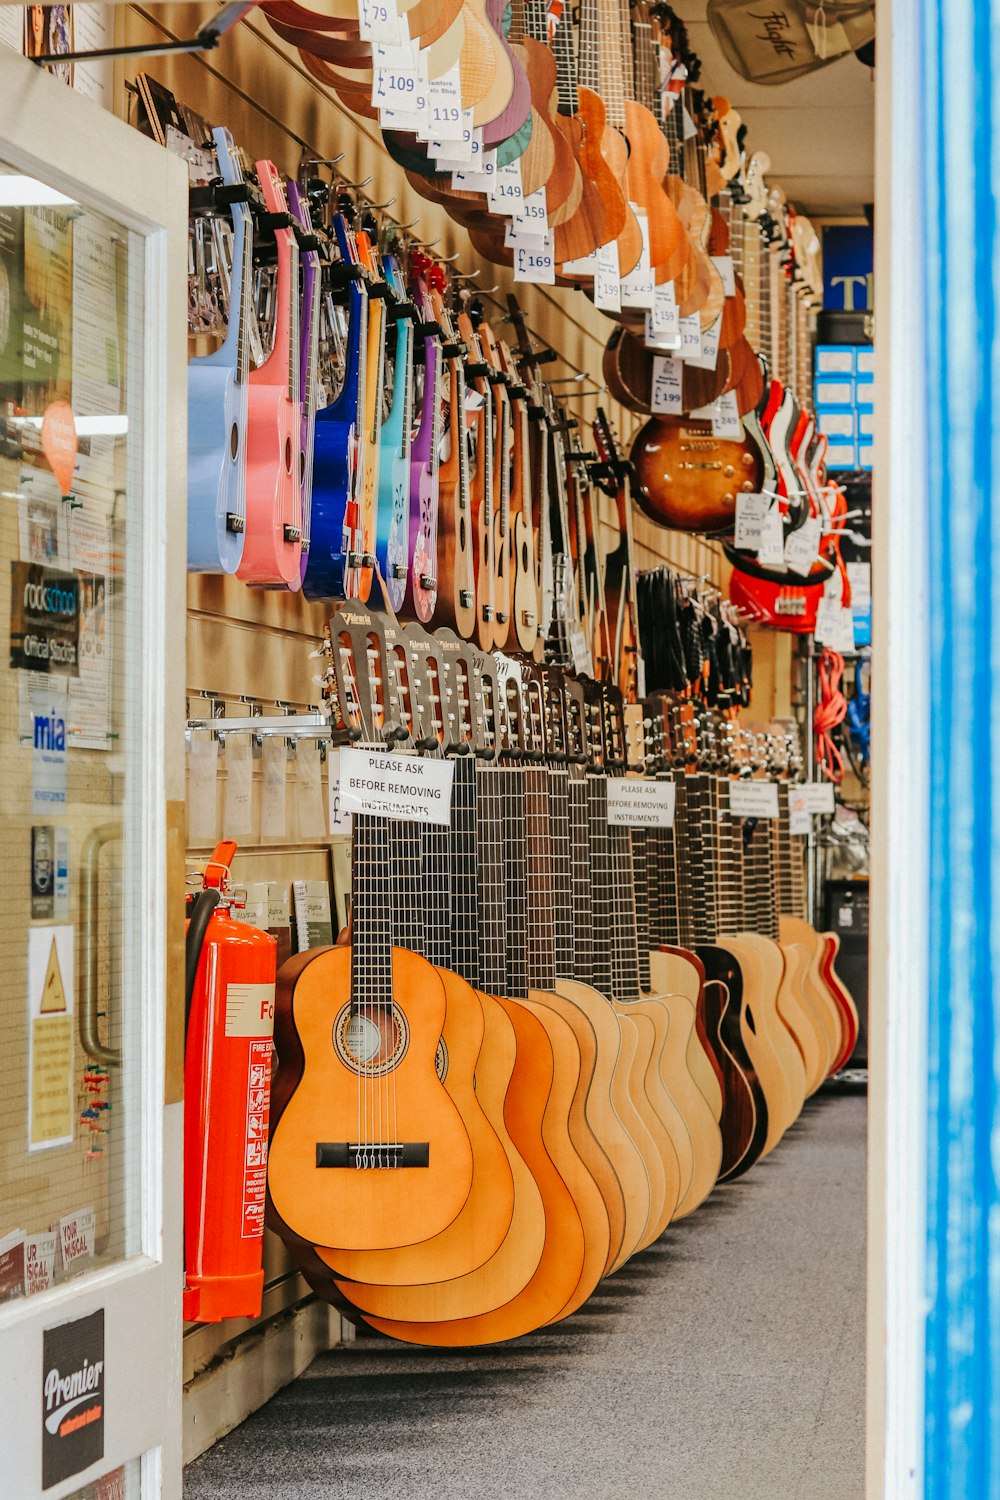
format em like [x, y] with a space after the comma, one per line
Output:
[272, 549]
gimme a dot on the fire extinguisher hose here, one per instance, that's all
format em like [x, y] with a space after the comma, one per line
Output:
[202, 908]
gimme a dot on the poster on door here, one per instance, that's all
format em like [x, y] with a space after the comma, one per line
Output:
[51, 1096]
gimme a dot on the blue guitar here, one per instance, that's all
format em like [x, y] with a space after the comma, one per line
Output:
[217, 396]
[336, 543]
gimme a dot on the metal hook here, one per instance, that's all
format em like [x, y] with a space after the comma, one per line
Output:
[412, 224]
[378, 207]
[571, 379]
[355, 187]
[465, 275]
[595, 390]
[429, 244]
[449, 260]
[320, 161]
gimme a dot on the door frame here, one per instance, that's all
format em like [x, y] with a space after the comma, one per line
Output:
[50, 132]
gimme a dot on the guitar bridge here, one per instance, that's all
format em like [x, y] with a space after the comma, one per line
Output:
[398, 570]
[291, 533]
[366, 1155]
[466, 598]
[427, 582]
[234, 522]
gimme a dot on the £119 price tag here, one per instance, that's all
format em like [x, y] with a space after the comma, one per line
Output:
[537, 264]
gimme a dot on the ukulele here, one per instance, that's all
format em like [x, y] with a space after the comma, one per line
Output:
[309, 255]
[217, 385]
[456, 599]
[392, 533]
[523, 578]
[480, 402]
[367, 1147]
[425, 452]
[619, 565]
[272, 547]
[335, 555]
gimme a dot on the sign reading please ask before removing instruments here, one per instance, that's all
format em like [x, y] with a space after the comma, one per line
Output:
[641, 804]
[396, 786]
[753, 799]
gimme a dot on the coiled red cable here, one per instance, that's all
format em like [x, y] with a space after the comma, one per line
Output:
[831, 710]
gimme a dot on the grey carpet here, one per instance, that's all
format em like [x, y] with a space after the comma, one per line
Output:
[727, 1361]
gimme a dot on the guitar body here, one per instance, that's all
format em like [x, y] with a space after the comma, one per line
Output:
[769, 1044]
[218, 408]
[744, 1111]
[486, 72]
[385, 1282]
[563, 185]
[849, 1012]
[587, 228]
[316, 1100]
[424, 491]
[701, 1123]
[649, 158]
[536, 1112]
[687, 479]
[498, 1279]
[614, 149]
[824, 1007]
[677, 971]
[657, 1085]
[393, 507]
[517, 112]
[272, 548]
[617, 1118]
[798, 1016]
[456, 594]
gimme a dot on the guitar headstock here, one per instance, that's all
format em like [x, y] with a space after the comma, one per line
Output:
[634, 731]
[512, 702]
[575, 708]
[433, 724]
[552, 685]
[488, 710]
[366, 693]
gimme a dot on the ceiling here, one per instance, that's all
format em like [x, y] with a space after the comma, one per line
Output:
[819, 131]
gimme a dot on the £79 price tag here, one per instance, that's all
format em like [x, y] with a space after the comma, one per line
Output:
[378, 21]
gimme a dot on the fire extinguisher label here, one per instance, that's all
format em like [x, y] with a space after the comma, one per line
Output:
[255, 1160]
[250, 1010]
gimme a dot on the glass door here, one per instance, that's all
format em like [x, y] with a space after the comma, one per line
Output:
[92, 327]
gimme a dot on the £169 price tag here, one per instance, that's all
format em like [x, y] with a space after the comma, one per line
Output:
[538, 264]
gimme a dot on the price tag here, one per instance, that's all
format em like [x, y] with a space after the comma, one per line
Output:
[480, 176]
[396, 786]
[400, 93]
[818, 797]
[771, 548]
[802, 546]
[608, 279]
[841, 636]
[584, 265]
[799, 816]
[827, 620]
[447, 120]
[583, 663]
[859, 576]
[534, 212]
[751, 511]
[726, 420]
[378, 21]
[465, 154]
[664, 318]
[668, 343]
[724, 265]
[690, 129]
[641, 804]
[507, 193]
[536, 265]
[691, 338]
[637, 286]
[708, 358]
[753, 799]
[668, 385]
[515, 234]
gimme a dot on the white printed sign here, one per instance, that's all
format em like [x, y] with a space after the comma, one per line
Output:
[396, 786]
[76, 1237]
[39, 1262]
[799, 816]
[724, 265]
[753, 799]
[378, 21]
[536, 264]
[507, 194]
[819, 796]
[641, 804]
[250, 1010]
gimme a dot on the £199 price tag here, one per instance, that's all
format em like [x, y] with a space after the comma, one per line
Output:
[751, 511]
[538, 264]
[608, 279]
[802, 546]
[668, 385]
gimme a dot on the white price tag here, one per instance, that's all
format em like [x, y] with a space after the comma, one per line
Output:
[751, 512]
[515, 234]
[771, 548]
[753, 799]
[641, 804]
[445, 116]
[841, 636]
[536, 265]
[340, 818]
[396, 786]
[827, 620]
[637, 286]
[534, 212]
[608, 279]
[584, 265]
[802, 546]
[691, 338]
[799, 817]
[378, 21]
[709, 355]
[726, 420]
[583, 663]
[669, 343]
[507, 193]
[664, 318]
[668, 385]
[859, 576]
[454, 155]
[818, 796]
[724, 265]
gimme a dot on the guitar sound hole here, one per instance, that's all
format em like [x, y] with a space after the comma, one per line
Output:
[461, 533]
[302, 468]
[234, 442]
[288, 455]
[524, 557]
[371, 1039]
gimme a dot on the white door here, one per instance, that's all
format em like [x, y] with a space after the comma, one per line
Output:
[92, 454]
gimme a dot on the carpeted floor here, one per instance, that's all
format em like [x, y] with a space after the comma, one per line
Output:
[725, 1363]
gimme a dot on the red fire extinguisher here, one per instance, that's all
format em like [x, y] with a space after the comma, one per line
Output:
[229, 975]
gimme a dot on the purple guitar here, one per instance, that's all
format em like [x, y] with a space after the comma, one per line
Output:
[425, 455]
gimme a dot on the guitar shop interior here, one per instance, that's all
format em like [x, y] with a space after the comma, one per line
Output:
[438, 502]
